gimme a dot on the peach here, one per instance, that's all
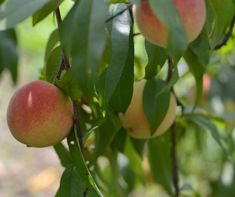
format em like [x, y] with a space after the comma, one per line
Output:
[192, 14]
[39, 114]
[135, 121]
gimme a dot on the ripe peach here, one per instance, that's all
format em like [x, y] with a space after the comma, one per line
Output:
[192, 14]
[135, 120]
[39, 114]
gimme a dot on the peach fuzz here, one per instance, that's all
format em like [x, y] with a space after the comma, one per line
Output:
[39, 114]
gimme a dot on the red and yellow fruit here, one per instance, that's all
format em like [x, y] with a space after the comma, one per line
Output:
[192, 14]
[39, 114]
[135, 121]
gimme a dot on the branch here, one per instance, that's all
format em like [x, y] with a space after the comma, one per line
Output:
[227, 35]
[65, 65]
[129, 7]
[65, 62]
[175, 176]
[169, 75]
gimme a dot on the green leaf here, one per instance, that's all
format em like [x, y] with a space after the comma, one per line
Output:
[63, 154]
[9, 53]
[206, 124]
[85, 41]
[14, 11]
[87, 182]
[200, 47]
[70, 184]
[53, 64]
[159, 151]
[138, 145]
[156, 100]
[121, 98]
[108, 128]
[52, 42]
[177, 42]
[120, 70]
[68, 83]
[134, 159]
[156, 58]
[222, 14]
[119, 140]
[2, 1]
[195, 61]
[46, 10]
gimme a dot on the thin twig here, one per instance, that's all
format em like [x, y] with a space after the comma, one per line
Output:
[77, 124]
[65, 65]
[169, 75]
[119, 13]
[227, 35]
[136, 34]
[65, 62]
[175, 176]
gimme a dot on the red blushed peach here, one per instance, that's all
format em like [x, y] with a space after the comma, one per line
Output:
[39, 114]
[192, 14]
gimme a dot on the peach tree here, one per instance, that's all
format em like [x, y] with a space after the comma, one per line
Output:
[175, 131]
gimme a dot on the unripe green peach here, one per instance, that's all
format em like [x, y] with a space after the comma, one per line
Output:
[192, 14]
[135, 121]
[39, 114]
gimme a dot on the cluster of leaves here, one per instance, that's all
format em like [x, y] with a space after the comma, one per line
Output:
[99, 39]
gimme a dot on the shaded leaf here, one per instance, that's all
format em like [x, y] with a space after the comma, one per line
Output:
[63, 154]
[53, 63]
[122, 95]
[9, 53]
[46, 10]
[156, 100]
[177, 42]
[207, 124]
[86, 180]
[85, 41]
[14, 11]
[52, 42]
[156, 58]
[108, 128]
[121, 63]
[159, 152]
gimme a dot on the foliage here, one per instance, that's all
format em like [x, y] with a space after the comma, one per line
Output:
[95, 55]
